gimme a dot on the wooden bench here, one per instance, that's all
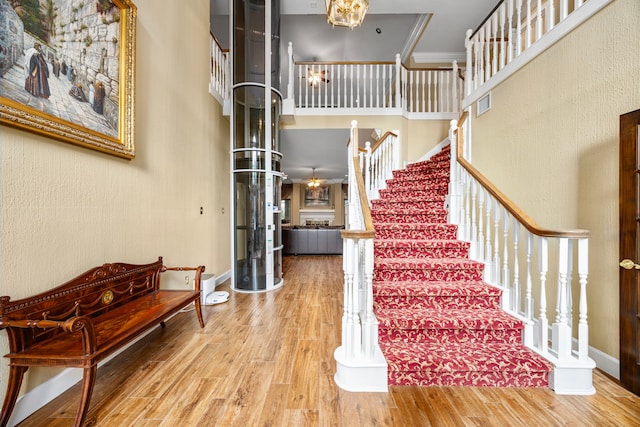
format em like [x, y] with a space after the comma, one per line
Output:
[85, 320]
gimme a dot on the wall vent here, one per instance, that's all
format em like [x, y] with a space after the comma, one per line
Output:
[484, 104]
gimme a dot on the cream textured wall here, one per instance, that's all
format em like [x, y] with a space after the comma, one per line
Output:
[550, 143]
[65, 209]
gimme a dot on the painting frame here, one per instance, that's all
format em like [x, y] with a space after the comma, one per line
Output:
[316, 196]
[121, 141]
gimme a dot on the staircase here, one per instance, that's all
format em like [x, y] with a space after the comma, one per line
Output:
[439, 323]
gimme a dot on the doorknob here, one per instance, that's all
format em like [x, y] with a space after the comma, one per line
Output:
[628, 264]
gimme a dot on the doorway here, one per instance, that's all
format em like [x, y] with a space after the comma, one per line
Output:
[630, 251]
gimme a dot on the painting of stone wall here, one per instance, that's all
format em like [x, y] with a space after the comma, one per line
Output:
[62, 58]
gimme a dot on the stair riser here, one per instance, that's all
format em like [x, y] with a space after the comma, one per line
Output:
[420, 172]
[435, 302]
[414, 218]
[512, 336]
[469, 379]
[441, 184]
[421, 233]
[403, 196]
[405, 275]
[406, 206]
[387, 252]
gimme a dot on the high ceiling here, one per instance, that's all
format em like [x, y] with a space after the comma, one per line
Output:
[425, 31]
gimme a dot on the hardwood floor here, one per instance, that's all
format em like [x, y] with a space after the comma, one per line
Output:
[267, 360]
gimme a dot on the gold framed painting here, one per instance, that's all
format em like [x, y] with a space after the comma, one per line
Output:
[67, 71]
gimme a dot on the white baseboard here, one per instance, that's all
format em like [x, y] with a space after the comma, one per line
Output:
[605, 363]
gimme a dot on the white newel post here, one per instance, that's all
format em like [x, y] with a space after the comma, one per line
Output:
[398, 78]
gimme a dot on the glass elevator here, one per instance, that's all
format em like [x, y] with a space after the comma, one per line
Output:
[255, 155]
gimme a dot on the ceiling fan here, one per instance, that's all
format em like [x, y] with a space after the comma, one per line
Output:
[313, 181]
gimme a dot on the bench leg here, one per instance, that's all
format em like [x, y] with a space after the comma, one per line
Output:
[88, 380]
[16, 373]
[199, 312]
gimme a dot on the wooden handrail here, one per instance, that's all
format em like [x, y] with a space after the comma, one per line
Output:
[514, 210]
[381, 140]
[215, 39]
[368, 232]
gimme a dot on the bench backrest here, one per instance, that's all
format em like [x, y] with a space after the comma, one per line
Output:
[90, 294]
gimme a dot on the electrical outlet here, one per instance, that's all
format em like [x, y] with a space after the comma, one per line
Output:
[186, 280]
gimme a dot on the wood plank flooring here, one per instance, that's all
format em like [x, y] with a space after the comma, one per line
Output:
[267, 360]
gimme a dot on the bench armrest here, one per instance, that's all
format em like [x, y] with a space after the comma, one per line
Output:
[79, 323]
[199, 270]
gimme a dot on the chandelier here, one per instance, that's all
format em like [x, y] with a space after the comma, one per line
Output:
[314, 182]
[346, 13]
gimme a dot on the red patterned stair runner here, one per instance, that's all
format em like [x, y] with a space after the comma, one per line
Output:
[439, 323]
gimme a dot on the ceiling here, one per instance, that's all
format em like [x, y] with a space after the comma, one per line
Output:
[421, 31]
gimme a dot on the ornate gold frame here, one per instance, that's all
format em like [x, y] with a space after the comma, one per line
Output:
[20, 116]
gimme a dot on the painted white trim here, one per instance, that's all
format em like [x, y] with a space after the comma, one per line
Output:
[414, 36]
[605, 363]
[575, 19]
[438, 57]
[348, 111]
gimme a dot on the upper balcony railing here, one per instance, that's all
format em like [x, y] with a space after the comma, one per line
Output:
[220, 73]
[374, 88]
[382, 88]
[514, 33]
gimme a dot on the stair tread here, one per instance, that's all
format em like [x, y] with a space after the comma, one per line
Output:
[428, 263]
[417, 289]
[467, 356]
[450, 318]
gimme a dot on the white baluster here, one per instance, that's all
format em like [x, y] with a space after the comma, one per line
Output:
[551, 16]
[290, 82]
[496, 244]
[398, 78]
[543, 324]
[474, 224]
[487, 50]
[351, 88]
[510, 48]
[502, 12]
[518, 27]
[527, 336]
[378, 85]
[516, 267]
[564, 10]
[560, 330]
[469, 71]
[495, 51]
[506, 279]
[454, 95]
[528, 27]
[306, 91]
[488, 251]
[583, 327]
[371, 338]
[539, 20]
[367, 171]
[479, 254]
